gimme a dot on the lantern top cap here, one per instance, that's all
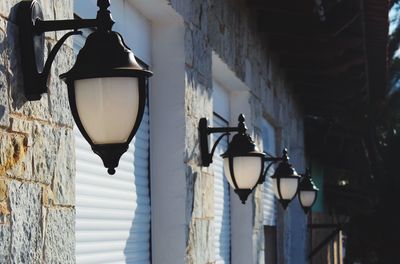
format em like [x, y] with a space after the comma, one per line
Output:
[242, 144]
[285, 169]
[306, 183]
[104, 54]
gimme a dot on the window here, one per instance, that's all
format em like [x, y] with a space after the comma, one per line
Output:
[222, 212]
[269, 200]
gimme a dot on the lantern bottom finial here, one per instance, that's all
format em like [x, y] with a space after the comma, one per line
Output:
[243, 194]
[285, 203]
[110, 154]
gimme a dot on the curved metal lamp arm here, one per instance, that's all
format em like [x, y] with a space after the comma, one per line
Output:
[262, 179]
[268, 154]
[50, 59]
[216, 144]
[204, 132]
[272, 160]
[31, 26]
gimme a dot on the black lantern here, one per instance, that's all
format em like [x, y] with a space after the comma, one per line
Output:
[243, 163]
[106, 86]
[308, 192]
[285, 180]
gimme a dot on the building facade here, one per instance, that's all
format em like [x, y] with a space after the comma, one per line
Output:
[58, 204]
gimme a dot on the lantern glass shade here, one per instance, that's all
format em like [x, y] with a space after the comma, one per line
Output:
[307, 198]
[246, 169]
[107, 95]
[107, 107]
[288, 188]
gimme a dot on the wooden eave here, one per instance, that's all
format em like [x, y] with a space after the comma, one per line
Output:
[337, 64]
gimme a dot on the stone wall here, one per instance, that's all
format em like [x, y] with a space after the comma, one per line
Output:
[37, 156]
[37, 163]
[229, 29]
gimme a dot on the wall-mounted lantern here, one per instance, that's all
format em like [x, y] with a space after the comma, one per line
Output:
[285, 179]
[106, 86]
[243, 163]
[308, 192]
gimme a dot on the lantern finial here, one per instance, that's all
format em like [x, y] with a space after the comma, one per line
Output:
[104, 17]
[243, 194]
[103, 4]
[242, 125]
[285, 156]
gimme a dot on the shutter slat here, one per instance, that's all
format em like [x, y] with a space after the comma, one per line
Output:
[222, 219]
[113, 212]
[269, 200]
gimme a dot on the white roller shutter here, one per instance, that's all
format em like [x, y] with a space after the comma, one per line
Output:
[269, 200]
[222, 212]
[222, 206]
[113, 212]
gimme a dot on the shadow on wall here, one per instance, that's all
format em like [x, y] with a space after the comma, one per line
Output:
[3, 81]
[14, 73]
[137, 247]
[2, 108]
[3, 87]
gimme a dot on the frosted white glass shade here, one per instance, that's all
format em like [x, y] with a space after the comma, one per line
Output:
[247, 171]
[307, 198]
[288, 187]
[107, 107]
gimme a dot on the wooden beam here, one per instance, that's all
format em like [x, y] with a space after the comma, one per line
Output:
[294, 6]
[334, 85]
[355, 75]
[346, 24]
[300, 25]
[277, 25]
[330, 70]
[318, 59]
[282, 44]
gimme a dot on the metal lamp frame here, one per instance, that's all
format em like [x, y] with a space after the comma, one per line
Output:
[205, 131]
[285, 171]
[241, 146]
[89, 64]
[307, 184]
[32, 44]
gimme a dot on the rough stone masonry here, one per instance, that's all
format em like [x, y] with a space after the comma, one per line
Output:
[228, 29]
[37, 163]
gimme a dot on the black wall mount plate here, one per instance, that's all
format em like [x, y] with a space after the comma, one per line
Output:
[32, 47]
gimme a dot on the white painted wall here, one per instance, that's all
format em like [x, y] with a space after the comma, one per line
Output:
[167, 110]
[221, 101]
[241, 215]
[167, 114]
[222, 189]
